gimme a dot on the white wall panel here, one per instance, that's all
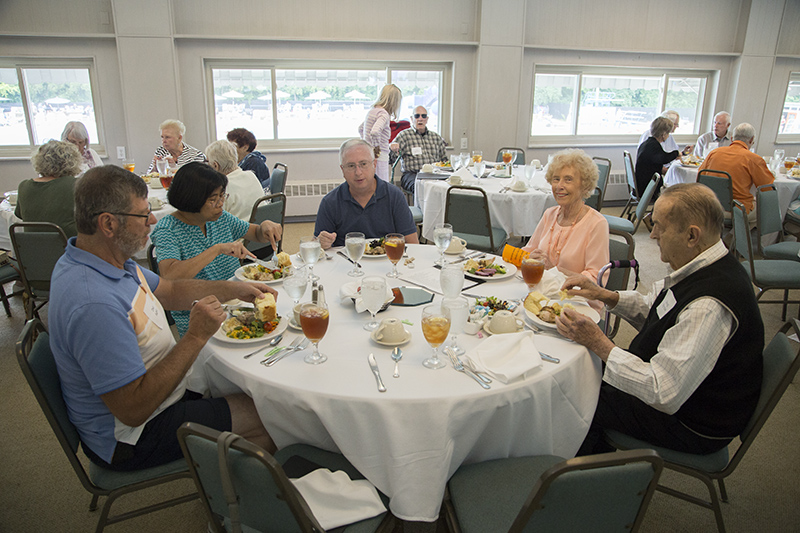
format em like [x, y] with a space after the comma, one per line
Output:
[45, 17]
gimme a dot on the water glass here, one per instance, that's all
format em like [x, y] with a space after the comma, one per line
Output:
[442, 235]
[373, 294]
[464, 159]
[459, 313]
[478, 169]
[355, 243]
[162, 165]
[310, 251]
[451, 278]
[295, 284]
[455, 161]
[530, 171]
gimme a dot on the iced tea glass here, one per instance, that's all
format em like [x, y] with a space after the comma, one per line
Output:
[314, 321]
[435, 328]
[395, 245]
[532, 271]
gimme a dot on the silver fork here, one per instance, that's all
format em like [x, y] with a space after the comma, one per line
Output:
[469, 365]
[277, 357]
[272, 353]
[461, 368]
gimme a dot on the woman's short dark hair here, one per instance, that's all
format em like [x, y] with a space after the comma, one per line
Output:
[192, 186]
[242, 138]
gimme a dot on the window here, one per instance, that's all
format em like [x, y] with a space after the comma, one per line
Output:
[789, 129]
[37, 101]
[296, 105]
[591, 105]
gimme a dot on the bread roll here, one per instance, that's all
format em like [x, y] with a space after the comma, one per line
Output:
[265, 308]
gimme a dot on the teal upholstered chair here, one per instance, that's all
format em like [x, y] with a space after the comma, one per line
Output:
[277, 180]
[769, 222]
[39, 368]
[765, 274]
[623, 224]
[598, 493]
[595, 201]
[259, 494]
[8, 273]
[781, 362]
[630, 176]
[720, 182]
[467, 210]
[271, 207]
[37, 247]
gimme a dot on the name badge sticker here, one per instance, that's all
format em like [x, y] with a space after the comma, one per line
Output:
[666, 304]
[416, 150]
[152, 310]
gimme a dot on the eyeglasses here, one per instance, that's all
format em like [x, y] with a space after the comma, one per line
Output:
[218, 200]
[363, 165]
[147, 216]
[418, 115]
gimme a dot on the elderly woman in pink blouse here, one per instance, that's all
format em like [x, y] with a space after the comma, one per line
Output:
[571, 236]
[376, 129]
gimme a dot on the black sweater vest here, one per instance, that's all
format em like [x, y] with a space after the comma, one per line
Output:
[724, 402]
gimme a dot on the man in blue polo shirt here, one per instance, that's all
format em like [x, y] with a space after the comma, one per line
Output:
[363, 202]
[123, 375]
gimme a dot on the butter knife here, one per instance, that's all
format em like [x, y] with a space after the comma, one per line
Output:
[374, 366]
[348, 258]
[468, 256]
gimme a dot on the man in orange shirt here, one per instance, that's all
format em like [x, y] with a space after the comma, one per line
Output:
[745, 168]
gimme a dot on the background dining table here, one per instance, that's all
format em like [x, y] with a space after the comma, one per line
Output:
[409, 440]
[518, 213]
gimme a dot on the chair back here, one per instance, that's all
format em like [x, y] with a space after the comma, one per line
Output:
[644, 201]
[619, 250]
[769, 213]
[630, 173]
[519, 160]
[271, 207]
[610, 491]
[720, 182]
[277, 181]
[595, 201]
[467, 210]
[37, 246]
[265, 499]
[741, 233]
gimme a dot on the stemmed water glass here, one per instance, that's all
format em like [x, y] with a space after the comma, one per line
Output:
[310, 251]
[459, 313]
[295, 282]
[451, 278]
[162, 165]
[464, 156]
[314, 321]
[455, 162]
[530, 171]
[435, 327]
[395, 245]
[442, 235]
[478, 168]
[355, 243]
[373, 294]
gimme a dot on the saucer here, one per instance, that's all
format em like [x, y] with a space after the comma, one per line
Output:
[294, 325]
[490, 332]
[455, 253]
[384, 343]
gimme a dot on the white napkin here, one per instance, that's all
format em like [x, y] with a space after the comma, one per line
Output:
[350, 290]
[466, 176]
[552, 281]
[507, 357]
[336, 500]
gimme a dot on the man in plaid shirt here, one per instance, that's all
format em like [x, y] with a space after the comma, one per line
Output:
[418, 146]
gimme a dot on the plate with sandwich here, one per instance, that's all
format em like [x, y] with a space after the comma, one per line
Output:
[249, 326]
[543, 311]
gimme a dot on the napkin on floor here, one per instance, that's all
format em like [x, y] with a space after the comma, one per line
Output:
[336, 500]
[507, 357]
[350, 290]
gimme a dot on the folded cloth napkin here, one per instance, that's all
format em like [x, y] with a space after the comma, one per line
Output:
[551, 283]
[336, 500]
[507, 357]
[350, 291]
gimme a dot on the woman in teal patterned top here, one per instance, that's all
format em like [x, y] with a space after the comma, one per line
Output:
[201, 240]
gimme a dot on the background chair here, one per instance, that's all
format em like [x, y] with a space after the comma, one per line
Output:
[277, 180]
[271, 207]
[39, 368]
[720, 182]
[519, 160]
[606, 492]
[781, 362]
[630, 175]
[8, 273]
[37, 247]
[595, 201]
[264, 497]
[769, 221]
[152, 262]
[628, 226]
[765, 274]
[467, 210]
[618, 278]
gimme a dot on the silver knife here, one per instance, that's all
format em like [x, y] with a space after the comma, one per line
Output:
[468, 256]
[348, 258]
[374, 366]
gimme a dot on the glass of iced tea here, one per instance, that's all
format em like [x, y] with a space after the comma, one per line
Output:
[395, 245]
[477, 156]
[166, 181]
[435, 328]
[509, 156]
[789, 163]
[532, 271]
[314, 321]
[129, 165]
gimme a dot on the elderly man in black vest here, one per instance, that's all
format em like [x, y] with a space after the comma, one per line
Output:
[691, 378]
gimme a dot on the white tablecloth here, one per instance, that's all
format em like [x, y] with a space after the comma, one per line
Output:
[518, 213]
[409, 440]
[7, 218]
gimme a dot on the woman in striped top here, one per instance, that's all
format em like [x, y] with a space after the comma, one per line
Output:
[172, 148]
[376, 128]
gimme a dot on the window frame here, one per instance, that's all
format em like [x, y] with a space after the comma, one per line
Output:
[573, 139]
[20, 64]
[275, 144]
[787, 138]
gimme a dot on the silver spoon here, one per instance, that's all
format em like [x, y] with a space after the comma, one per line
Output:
[273, 342]
[397, 354]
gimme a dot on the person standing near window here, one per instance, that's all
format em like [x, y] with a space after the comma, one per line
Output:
[376, 129]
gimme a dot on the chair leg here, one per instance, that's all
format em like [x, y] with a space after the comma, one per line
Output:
[785, 304]
[5, 301]
[723, 494]
[93, 504]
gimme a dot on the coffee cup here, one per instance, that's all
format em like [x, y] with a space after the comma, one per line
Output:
[457, 245]
[11, 196]
[155, 203]
[536, 163]
[456, 180]
[504, 322]
[296, 314]
[427, 168]
[519, 186]
[390, 331]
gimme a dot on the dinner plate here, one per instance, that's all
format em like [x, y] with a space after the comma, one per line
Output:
[513, 305]
[280, 328]
[384, 343]
[510, 271]
[580, 308]
[297, 259]
[239, 274]
[373, 256]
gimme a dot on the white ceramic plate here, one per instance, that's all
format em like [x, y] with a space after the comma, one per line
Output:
[384, 343]
[579, 307]
[373, 256]
[239, 274]
[510, 271]
[460, 252]
[221, 336]
[513, 305]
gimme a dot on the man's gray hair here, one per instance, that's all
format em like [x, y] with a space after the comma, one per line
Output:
[695, 203]
[672, 115]
[725, 114]
[106, 189]
[352, 143]
[225, 155]
[744, 132]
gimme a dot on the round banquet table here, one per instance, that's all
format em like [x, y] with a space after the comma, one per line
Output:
[409, 440]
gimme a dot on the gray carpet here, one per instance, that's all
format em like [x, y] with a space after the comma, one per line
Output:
[41, 493]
